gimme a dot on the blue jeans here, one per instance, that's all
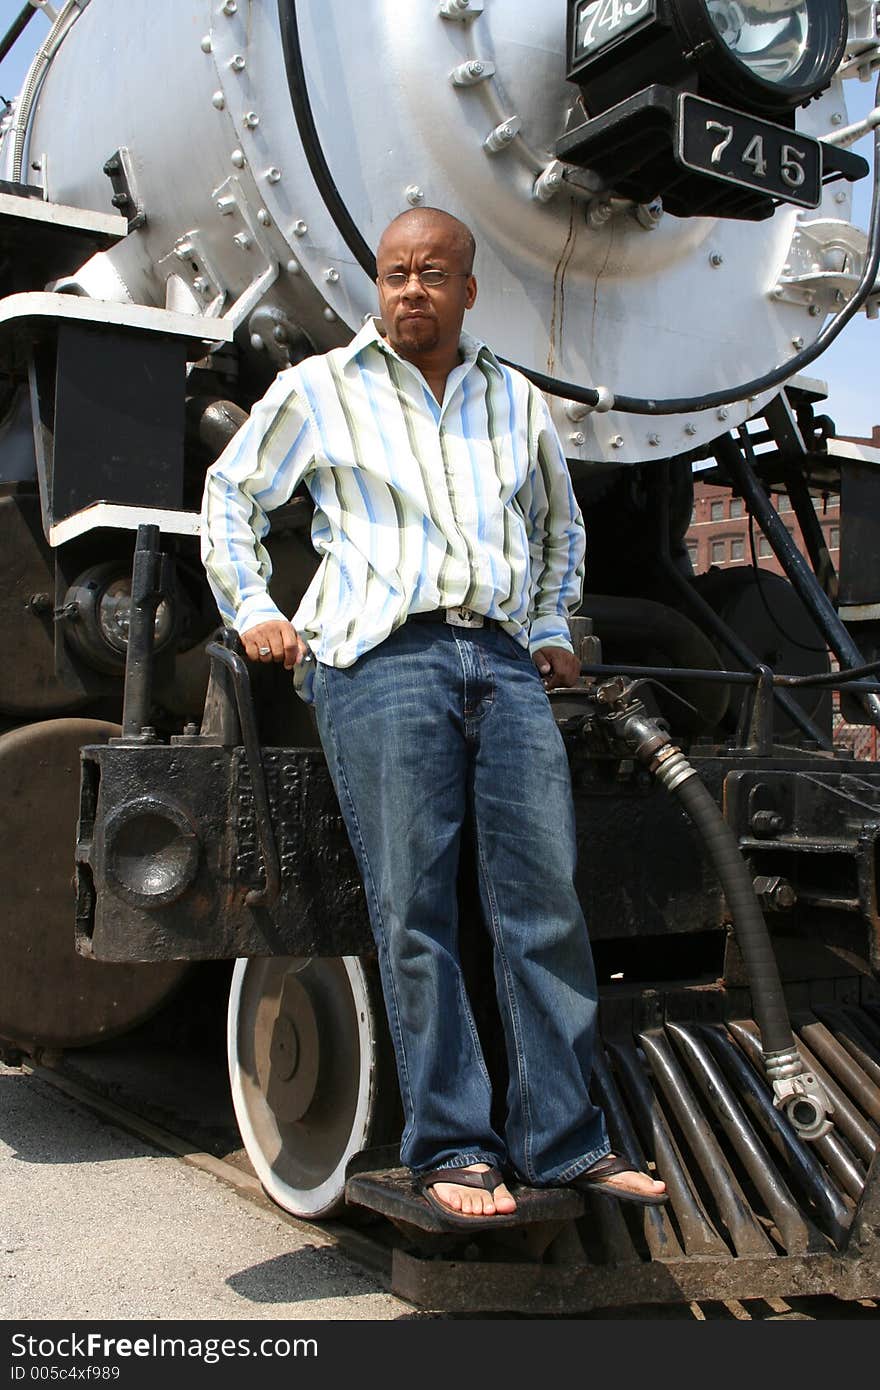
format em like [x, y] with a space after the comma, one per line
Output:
[433, 722]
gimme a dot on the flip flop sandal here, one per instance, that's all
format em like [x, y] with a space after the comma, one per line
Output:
[463, 1177]
[595, 1179]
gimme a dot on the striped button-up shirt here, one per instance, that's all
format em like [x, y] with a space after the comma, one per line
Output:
[417, 505]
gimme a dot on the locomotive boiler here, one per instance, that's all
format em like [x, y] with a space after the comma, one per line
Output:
[191, 192]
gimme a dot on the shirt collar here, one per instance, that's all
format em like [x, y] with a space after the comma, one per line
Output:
[472, 349]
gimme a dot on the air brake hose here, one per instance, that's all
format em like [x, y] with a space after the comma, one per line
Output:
[796, 1091]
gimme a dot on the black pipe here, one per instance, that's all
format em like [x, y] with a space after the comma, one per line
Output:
[810, 591]
[145, 596]
[15, 30]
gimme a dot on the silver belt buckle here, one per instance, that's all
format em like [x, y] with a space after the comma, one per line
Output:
[464, 617]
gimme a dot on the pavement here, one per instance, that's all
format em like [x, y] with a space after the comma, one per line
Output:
[97, 1224]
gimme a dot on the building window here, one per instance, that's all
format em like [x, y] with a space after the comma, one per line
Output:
[736, 507]
[693, 514]
[764, 546]
[834, 538]
[692, 553]
[737, 548]
[783, 502]
[718, 552]
[716, 511]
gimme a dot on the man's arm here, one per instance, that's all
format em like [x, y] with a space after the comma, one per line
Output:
[557, 547]
[257, 471]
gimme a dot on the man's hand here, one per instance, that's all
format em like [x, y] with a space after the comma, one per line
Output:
[274, 641]
[557, 666]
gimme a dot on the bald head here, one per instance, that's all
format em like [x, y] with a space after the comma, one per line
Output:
[459, 237]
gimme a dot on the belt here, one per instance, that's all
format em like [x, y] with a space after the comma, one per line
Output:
[455, 617]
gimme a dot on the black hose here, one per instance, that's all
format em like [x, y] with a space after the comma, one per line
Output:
[750, 929]
[16, 29]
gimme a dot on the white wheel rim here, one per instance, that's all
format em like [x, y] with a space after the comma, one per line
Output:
[255, 1117]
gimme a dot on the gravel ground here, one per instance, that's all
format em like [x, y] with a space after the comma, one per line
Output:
[97, 1224]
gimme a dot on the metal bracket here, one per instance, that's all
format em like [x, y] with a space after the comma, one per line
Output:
[119, 169]
[825, 263]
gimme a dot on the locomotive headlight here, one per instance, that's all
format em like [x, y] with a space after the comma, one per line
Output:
[767, 56]
[97, 609]
[693, 101]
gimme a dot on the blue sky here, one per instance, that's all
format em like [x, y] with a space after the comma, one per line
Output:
[849, 366]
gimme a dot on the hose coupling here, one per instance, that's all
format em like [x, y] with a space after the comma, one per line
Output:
[671, 767]
[799, 1094]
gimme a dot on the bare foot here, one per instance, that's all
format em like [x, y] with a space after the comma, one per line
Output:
[474, 1201]
[614, 1174]
[641, 1184]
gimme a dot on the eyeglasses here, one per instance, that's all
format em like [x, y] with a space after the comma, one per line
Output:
[428, 279]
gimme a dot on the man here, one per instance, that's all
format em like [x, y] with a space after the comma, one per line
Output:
[452, 547]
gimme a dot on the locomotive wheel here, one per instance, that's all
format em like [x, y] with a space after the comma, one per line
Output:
[312, 1074]
[49, 995]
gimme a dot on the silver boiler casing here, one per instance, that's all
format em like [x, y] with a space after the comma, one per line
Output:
[197, 92]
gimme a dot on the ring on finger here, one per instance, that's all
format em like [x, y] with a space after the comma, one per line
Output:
[265, 651]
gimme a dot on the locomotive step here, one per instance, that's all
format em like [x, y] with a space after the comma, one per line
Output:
[390, 1192]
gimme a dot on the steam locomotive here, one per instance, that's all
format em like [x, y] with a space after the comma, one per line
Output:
[661, 196]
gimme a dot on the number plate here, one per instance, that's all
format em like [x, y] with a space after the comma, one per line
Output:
[741, 149]
[598, 22]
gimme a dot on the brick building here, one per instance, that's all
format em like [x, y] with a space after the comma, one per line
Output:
[719, 536]
[719, 531]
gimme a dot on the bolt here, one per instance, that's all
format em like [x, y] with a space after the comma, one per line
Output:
[207, 46]
[578, 438]
[120, 200]
[815, 311]
[553, 180]
[279, 333]
[414, 194]
[238, 159]
[237, 63]
[229, 7]
[250, 120]
[257, 343]
[300, 228]
[273, 175]
[329, 315]
[617, 441]
[331, 275]
[723, 413]
[243, 240]
[293, 267]
[263, 218]
[840, 196]
[836, 118]
[112, 166]
[777, 293]
[218, 100]
[797, 342]
[225, 206]
[716, 259]
[39, 603]
[653, 440]
[690, 428]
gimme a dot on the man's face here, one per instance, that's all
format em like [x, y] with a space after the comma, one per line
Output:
[420, 321]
